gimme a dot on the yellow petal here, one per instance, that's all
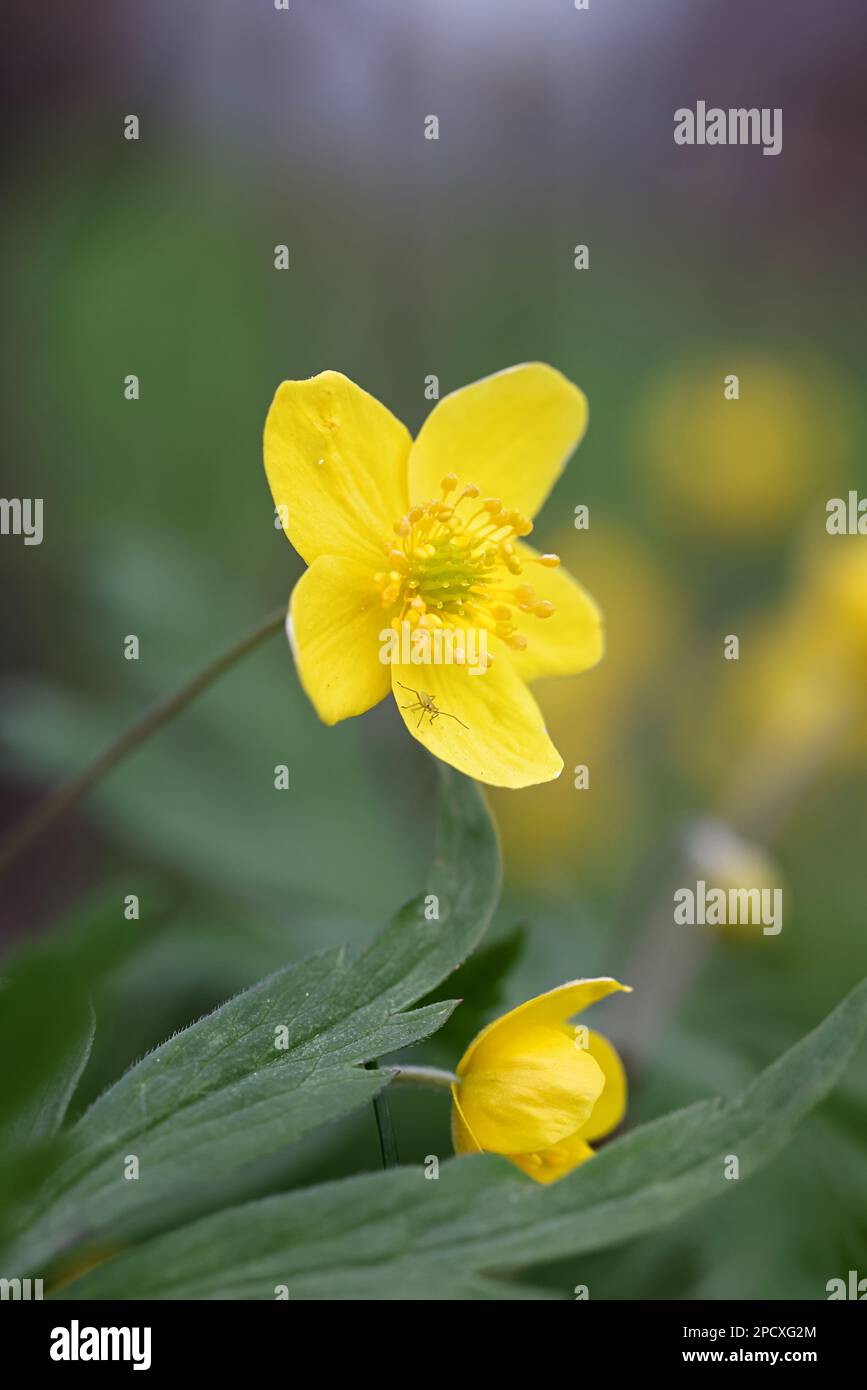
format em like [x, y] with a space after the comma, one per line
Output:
[336, 461]
[526, 1091]
[568, 642]
[553, 1009]
[504, 741]
[463, 1139]
[611, 1105]
[556, 1162]
[336, 618]
[510, 433]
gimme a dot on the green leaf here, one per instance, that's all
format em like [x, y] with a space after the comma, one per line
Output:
[396, 1235]
[46, 1025]
[271, 1064]
[46, 1103]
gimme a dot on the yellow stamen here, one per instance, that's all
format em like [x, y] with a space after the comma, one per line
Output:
[452, 571]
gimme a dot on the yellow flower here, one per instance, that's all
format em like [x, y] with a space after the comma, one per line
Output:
[740, 468]
[801, 707]
[415, 538]
[537, 1089]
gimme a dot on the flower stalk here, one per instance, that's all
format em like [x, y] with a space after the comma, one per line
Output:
[67, 796]
[432, 1077]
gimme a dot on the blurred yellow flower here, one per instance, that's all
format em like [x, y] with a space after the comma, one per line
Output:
[740, 468]
[728, 861]
[795, 704]
[537, 1089]
[835, 587]
[555, 829]
[420, 539]
[811, 666]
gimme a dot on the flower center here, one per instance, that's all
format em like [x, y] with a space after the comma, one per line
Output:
[454, 564]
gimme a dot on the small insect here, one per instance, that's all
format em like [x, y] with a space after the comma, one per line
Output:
[427, 704]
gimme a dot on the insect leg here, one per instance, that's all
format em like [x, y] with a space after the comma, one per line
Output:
[454, 716]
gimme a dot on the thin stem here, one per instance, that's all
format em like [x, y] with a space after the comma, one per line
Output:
[58, 802]
[424, 1076]
[387, 1141]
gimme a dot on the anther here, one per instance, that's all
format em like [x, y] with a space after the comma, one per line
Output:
[446, 568]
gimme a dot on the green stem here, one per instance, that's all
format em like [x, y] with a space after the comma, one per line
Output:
[387, 1141]
[424, 1076]
[58, 802]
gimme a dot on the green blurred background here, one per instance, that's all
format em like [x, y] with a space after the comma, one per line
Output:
[454, 257]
